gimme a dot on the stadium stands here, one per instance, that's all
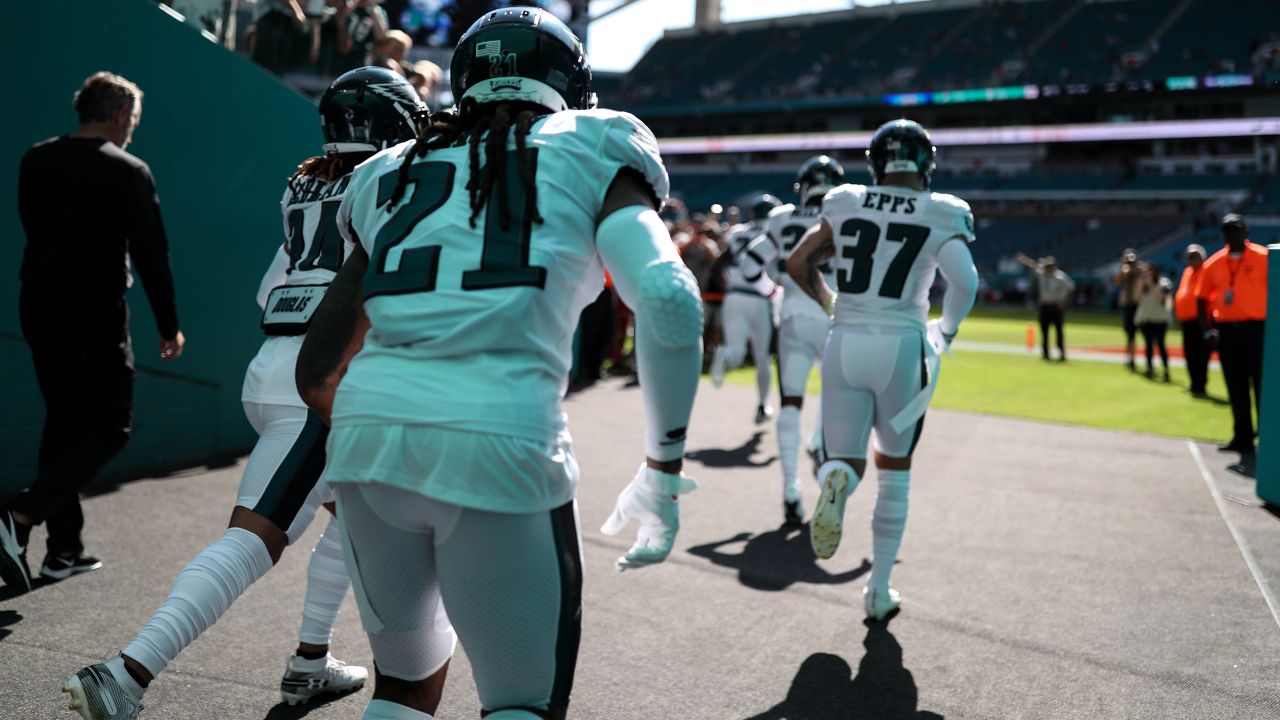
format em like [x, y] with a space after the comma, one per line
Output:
[861, 54]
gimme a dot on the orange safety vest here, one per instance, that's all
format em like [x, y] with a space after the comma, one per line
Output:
[1236, 288]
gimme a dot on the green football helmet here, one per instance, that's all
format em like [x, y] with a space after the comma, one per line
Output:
[901, 146]
[522, 54]
[761, 205]
[368, 109]
[816, 177]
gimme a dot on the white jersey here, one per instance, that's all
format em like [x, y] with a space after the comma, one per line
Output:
[886, 250]
[313, 251]
[783, 230]
[472, 327]
[740, 237]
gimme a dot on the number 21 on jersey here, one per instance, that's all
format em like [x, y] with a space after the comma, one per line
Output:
[504, 258]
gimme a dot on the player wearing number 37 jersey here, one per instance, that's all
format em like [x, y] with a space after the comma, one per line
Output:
[479, 246]
[886, 242]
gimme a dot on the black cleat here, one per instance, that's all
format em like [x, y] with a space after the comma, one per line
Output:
[792, 512]
[61, 567]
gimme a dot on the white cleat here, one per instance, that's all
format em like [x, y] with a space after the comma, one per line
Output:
[880, 605]
[298, 687]
[718, 363]
[96, 695]
[828, 517]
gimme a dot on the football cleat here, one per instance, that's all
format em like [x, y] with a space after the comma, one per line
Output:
[718, 369]
[763, 413]
[880, 605]
[96, 695]
[793, 512]
[827, 525]
[13, 556]
[298, 686]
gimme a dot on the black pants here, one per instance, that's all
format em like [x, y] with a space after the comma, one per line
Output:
[1196, 353]
[87, 383]
[1130, 327]
[1051, 315]
[1240, 350]
[1153, 335]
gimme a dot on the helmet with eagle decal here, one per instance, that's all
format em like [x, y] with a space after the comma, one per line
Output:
[368, 109]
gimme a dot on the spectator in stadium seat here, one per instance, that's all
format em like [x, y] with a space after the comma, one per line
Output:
[367, 23]
[1127, 280]
[1188, 315]
[391, 51]
[75, 271]
[1232, 294]
[424, 76]
[278, 31]
[1152, 316]
[1055, 289]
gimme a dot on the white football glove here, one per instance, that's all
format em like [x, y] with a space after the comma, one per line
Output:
[940, 341]
[650, 498]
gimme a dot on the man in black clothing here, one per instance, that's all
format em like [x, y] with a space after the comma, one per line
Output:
[88, 208]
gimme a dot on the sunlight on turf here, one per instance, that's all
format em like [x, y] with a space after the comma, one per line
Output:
[1079, 392]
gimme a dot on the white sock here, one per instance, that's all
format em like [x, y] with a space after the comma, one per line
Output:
[887, 523]
[789, 449]
[203, 591]
[116, 667]
[387, 710]
[327, 584]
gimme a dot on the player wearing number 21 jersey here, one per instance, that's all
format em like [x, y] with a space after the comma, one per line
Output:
[886, 241]
[479, 246]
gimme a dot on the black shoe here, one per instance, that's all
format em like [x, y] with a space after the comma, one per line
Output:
[1198, 393]
[61, 567]
[13, 556]
[792, 512]
[1131, 366]
[1238, 447]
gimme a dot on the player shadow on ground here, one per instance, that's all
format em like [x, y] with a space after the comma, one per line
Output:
[775, 560]
[7, 618]
[825, 688]
[285, 711]
[38, 582]
[734, 457]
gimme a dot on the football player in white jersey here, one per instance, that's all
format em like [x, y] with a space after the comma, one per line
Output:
[803, 326]
[449, 451]
[362, 112]
[887, 242]
[747, 310]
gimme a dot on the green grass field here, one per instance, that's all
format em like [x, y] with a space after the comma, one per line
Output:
[1081, 392]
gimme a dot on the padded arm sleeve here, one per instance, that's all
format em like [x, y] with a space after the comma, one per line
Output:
[649, 275]
[956, 263]
[274, 277]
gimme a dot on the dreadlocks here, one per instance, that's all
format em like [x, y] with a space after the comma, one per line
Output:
[473, 123]
[325, 167]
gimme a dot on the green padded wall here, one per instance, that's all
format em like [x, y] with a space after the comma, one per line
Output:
[221, 137]
[1268, 427]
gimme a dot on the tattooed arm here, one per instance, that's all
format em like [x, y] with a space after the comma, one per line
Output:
[336, 334]
[816, 247]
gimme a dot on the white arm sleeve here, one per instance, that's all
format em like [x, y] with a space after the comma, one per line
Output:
[754, 262]
[956, 264]
[653, 281]
[275, 276]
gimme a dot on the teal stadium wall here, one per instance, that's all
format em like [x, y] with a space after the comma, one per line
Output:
[1268, 470]
[221, 137]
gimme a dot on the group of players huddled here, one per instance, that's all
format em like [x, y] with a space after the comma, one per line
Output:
[420, 318]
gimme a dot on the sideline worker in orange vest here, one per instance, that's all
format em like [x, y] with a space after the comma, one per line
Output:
[1233, 306]
[1187, 311]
